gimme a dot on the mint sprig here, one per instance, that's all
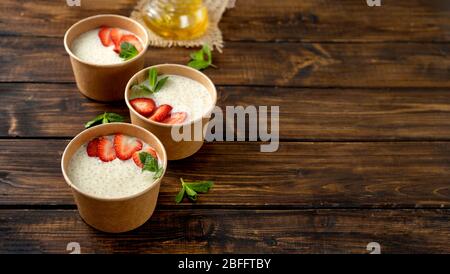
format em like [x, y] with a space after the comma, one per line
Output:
[150, 164]
[155, 85]
[104, 118]
[201, 59]
[191, 189]
[127, 51]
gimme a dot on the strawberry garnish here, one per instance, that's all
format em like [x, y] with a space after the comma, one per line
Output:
[105, 37]
[143, 106]
[105, 150]
[137, 159]
[132, 39]
[175, 118]
[125, 146]
[92, 148]
[116, 36]
[161, 113]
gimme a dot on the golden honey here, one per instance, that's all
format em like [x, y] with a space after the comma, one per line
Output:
[177, 19]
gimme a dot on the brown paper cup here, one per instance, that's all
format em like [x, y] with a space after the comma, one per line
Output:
[175, 149]
[115, 215]
[104, 82]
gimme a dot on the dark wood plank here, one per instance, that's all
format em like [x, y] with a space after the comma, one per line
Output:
[269, 64]
[344, 20]
[298, 175]
[49, 110]
[233, 231]
[52, 110]
[261, 20]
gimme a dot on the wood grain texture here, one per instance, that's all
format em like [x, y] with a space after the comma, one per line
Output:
[261, 20]
[364, 100]
[233, 231]
[268, 64]
[298, 175]
[52, 110]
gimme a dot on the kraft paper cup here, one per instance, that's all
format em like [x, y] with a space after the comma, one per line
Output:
[104, 82]
[115, 215]
[175, 149]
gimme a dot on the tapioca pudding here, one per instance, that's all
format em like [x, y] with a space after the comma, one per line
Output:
[106, 46]
[114, 166]
[178, 100]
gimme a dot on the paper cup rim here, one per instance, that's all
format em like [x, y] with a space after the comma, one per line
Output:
[75, 25]
[79, 135]
[207, 113]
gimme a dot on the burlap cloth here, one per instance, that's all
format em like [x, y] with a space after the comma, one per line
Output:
[212, 36]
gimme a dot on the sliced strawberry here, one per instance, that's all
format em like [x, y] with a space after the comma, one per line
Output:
[116, 36]
[92, 148]
[132, 39]
[175, 118]
[137, 160]
[161, 113]
[144, 106]
[105, 150]
[125, 146]
[105, 37]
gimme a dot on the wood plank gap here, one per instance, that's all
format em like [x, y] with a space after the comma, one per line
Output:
[285, 87]
[282, 140]
[166, 207]
[281, 41]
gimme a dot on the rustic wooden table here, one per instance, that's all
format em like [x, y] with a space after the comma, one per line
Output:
[364, 95]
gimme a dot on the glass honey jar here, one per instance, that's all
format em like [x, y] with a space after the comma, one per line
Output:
[176, 19]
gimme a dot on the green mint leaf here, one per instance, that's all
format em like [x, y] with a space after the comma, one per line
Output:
[97, 120]
[127, 51]
[197, 55]
[206, 50]
[180, 195]
[105, 118]
[151, 164]
[140, 91]
[152, 78]
[114, 117]
[198, 64]
[198, 60]
[200, 186]
[143, 157]
[160, 84]
[190, 189]
[192, 195]
[145, 88]
[158, 173]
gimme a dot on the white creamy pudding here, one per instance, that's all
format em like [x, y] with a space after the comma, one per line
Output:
[184, 95]
[113, 177]
[177, 100]
[101, 46]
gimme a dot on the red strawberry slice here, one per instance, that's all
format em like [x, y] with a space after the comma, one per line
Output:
[132, 39]
[161, 113]
[137, 160]
[125, 146]
[116, 36]
[143, 106]
[105, 37]
[105, 150]
[92, 148]
[175, 118]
